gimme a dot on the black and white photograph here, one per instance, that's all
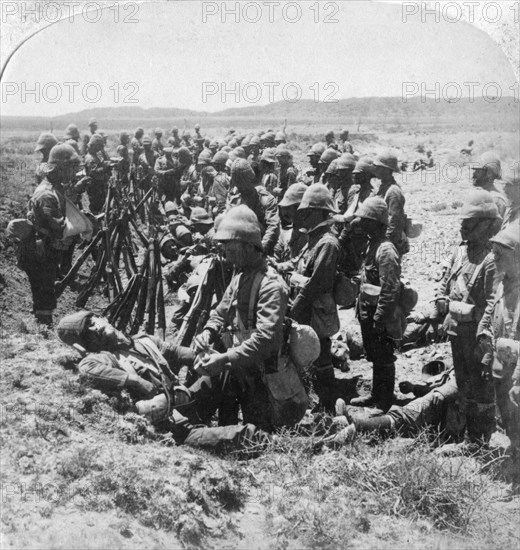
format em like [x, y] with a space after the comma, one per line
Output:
[259, 275]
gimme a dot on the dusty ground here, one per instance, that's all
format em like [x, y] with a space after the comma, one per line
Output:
[79, 471]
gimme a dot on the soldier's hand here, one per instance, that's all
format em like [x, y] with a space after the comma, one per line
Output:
[418, 318]
[441, 304]
[405, 387]
[437, 398]
[203, 341]
[514, 395]
[211, 364]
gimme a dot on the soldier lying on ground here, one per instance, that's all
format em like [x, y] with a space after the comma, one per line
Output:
[147, 368]
[436, 407]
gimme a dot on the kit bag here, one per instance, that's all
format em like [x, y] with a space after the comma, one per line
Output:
[288, 399]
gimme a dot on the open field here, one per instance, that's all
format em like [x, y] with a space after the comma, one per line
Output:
[79, 471]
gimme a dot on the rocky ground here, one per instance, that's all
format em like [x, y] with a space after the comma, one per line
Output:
[79, 471]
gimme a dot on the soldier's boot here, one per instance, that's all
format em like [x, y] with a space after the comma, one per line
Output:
[480, 422]
[384, 425]
[44, 318]
[324, 386]
[370, 400]
[384, 389]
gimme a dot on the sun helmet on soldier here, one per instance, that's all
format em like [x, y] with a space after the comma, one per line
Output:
[479, 204]
[220, 157]
[491, 161]
[268, 155]
[240, 224]
[71, 329]
[374, 208]
[46, 141]
[147, 140]
[387, 159]
[72, 132]
[346, 162]
[317, 150]
[365, 165]
[63, 154]
[184, 156]
[328, 156]
[293, 195]
[200, 215]
[317, 196]
[204, 157]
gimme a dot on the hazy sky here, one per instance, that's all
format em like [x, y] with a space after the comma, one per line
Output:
[164, 59]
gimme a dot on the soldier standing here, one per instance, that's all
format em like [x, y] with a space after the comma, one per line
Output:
[384, 167]
[98, 171]
[288, 172]
[45, 143]
[168, 171]
[47, 214]
[466, 292]
[512, 192]
[157, 146]
[73, 136]
[314, 303]
[485, 172]
[377, 305]
[245, 191]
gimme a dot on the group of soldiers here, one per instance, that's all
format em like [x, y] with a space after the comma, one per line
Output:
[297, 240]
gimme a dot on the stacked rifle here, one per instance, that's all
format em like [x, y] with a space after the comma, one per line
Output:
[113, 250]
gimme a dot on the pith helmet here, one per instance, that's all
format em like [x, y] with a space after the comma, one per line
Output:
[491, 161]
[92, 121]
[346, 162]
[328, 156]
[293, 195]
[45, 141]
[240, 224]
[317, 196]
[268, 155]
[365, 165]
[200, 215]
[72, 131]
[479, 204]
[71, 329]
[280, 136]
[147, 140]
[204, 157]
[62, 154]
[184, 155]
[317, 150]
[158, 132]
[221, 157]
[508, 237]
[374, 208]
[332, 168]
[387, 160]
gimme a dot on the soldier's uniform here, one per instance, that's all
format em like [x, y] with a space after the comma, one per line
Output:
[168, 171]
[470, 281]
[99, 174]
[259, 200]
[393, 195]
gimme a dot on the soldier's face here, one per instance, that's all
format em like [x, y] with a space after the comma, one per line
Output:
[237, 253]
[479, 176]
[93, 128]
[102, 336]
[474, 229]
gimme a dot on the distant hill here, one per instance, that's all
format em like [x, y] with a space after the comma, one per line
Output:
[371, 112]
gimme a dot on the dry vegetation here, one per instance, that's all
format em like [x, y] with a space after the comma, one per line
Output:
[78, 470]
